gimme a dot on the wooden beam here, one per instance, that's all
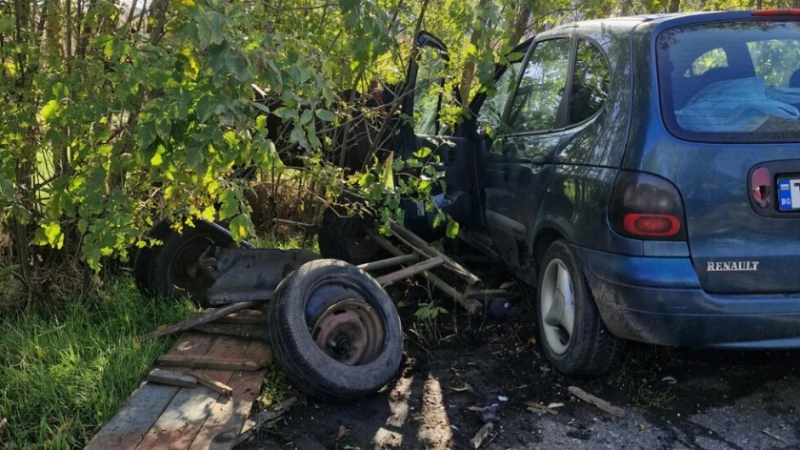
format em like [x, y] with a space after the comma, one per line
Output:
[212, 362]
[192, 322]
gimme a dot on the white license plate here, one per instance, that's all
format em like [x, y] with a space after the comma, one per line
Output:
[789, 194]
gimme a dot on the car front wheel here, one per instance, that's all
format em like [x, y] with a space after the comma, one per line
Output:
[573, 335]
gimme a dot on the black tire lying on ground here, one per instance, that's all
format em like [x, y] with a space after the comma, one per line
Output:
[162, 271]
[324, 292]
[344, 237]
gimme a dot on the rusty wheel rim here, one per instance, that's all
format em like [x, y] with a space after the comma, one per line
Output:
[349, 332]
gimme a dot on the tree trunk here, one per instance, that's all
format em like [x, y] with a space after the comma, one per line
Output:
[674, 6]
[520, 24]
[468, 73]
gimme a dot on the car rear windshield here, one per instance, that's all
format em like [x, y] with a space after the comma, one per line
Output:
[735, 81]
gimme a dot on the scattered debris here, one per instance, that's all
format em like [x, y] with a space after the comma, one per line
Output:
[508, 284]
[341, 432]
[171, 378]
[214, 385]
[489, 413]
[199, 319]
[555, 405]
[541, 407]
[261, 418]
[670, 380]
[465, 388]
[474, 408]
[502, 398]
[476, 441]
[596, 401]
[532, 340]
[775, 436]
[210, 362]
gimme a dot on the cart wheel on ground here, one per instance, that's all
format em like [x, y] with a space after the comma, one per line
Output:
[177, 268]
[573, 335]
[344, 237]
[335, 331]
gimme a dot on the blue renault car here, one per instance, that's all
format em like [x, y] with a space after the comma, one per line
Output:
[642, 175]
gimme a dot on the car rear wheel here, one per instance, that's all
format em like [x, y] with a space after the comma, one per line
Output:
[573, 335]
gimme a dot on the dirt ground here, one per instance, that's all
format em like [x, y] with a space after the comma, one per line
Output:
[713, 400]
[720, 400]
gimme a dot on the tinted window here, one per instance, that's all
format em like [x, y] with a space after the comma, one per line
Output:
[427, 92]
[589, 82]
[496, 98]
[743, 82]
[538, 98]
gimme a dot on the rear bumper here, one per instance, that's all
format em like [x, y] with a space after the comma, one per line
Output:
[660, 301]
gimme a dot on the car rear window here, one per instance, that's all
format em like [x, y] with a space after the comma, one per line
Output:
[735, 81]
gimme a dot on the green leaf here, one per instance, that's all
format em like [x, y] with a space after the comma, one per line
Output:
[156, 160]
[261, 122]
[53, 234]
[208, 214]
[307, 117]
[452, 229]
[325, 115]
[347, 5]
[60, 91]
[422, 153]
[50, 110]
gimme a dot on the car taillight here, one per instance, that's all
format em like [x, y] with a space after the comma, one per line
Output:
[645, 206]
[777, 12]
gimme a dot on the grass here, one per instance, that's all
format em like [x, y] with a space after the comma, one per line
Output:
[63, 375]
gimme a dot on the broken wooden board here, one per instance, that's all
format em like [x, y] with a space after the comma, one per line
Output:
[170, 378]
[212, 362]
[132, 422]
[171, 417]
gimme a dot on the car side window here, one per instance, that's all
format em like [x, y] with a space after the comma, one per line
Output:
[590, 82]
[428, 92]
[491, 112]
[538, 99]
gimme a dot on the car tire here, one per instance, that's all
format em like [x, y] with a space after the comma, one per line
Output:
[161, 271]
[344, 237]
[320, 303]
[572, 333]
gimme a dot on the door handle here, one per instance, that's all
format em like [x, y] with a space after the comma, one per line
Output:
[537, 160]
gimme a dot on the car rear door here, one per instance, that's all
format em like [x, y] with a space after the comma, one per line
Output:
[518, 164]
[731, 95]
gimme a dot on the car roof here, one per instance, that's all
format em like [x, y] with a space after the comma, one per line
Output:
[627, 23]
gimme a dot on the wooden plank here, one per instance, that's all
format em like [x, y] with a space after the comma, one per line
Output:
[181, 420]
[212, 362]
[200, 319]
[239, 330]
[170, 378]
[229, 415]
[131, 423]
